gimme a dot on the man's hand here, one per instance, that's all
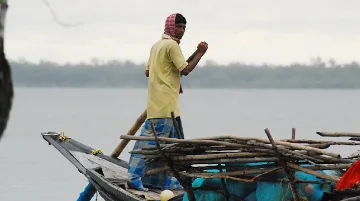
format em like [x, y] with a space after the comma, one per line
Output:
[202, 47]
[195, 58]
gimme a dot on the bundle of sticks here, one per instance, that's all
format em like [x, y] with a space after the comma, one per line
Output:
[247, 158]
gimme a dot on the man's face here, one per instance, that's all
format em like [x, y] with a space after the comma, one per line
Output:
[180, 30]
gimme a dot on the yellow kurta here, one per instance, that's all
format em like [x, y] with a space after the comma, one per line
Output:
[165, 64]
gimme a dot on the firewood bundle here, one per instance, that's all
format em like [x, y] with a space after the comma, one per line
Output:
[240, 158]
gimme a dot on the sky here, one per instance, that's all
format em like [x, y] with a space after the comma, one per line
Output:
[251, 31]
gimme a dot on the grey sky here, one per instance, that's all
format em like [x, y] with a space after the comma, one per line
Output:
[256, 31]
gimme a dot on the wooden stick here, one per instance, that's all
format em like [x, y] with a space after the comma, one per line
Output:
[289, 174]
[196, 149]
[293, 134]
[214, 142]
[355, 138]
[120, 147]
[243, 168]
[322, 142]
[209, 175]
[228, 160]
[217, 156]
[338, 134]
[176, 125]
[315, 173]
[292, 145]
[209, 141]
[173, 140]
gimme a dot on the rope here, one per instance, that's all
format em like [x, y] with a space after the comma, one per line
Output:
[62, 137]
[96, 151]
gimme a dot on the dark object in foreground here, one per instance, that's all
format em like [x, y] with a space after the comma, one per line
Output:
[6, 92]
[6, 85]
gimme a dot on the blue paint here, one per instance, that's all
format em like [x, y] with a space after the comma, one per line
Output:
[88, 193]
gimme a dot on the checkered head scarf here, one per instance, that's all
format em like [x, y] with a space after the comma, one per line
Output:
[170, 25]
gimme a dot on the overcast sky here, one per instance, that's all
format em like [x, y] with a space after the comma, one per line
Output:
[252, 31]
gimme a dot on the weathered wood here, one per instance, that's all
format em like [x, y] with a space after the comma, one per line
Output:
[217, 156]
[120, 147]
[315, 173]
[321, 142]
[338, 134]
[293, 133]
[289, 174]
[176, 126]
[355, 138]
[228, 161]
[234, 152]
[283, 143]
[214, 141]
[173, 140]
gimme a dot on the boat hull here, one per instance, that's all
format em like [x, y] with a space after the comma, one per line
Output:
[106, 174]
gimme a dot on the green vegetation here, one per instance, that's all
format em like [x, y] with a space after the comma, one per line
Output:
[317, 74]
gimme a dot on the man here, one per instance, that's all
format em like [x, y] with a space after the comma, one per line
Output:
[164, 69]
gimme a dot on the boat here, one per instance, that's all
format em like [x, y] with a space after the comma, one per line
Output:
[105, 173]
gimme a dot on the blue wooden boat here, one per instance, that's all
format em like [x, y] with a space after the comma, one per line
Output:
[107, 175]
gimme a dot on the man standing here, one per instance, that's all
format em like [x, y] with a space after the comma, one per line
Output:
[164, 69]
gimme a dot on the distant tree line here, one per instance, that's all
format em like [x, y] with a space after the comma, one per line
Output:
[317, 74]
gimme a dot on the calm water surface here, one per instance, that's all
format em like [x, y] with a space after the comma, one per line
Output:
[33, 171]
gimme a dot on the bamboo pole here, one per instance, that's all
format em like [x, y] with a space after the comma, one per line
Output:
[176, 126]
[228, 161]
[355, 138]
[315, 173]
[321, 142]
[338, 134]
[120, 147]
[293, 133]
[173, 140]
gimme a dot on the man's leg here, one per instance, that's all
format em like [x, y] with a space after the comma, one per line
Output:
[137, 164]
[164, 128]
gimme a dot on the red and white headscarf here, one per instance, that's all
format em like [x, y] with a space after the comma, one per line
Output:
[170, 27]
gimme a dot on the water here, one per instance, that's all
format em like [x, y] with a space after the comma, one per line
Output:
[31, 170]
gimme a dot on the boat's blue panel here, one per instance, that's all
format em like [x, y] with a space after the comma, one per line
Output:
[88, 193]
